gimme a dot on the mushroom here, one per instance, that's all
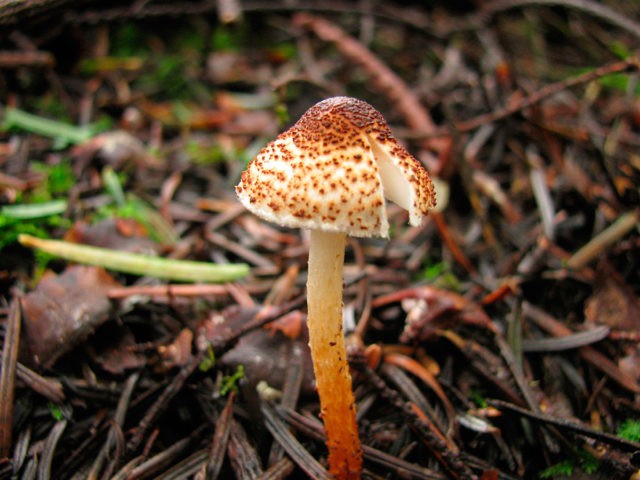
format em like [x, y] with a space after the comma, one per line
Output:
[330, 173]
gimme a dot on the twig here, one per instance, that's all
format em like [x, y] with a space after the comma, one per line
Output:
[8, 375]
[10, 59]
[243, 457]
[163, 401]
[590, 355]
[186, 468]
[117, 426]
[410, 390]
[450, 460]
[607, 237]
[450, 242]
[290, 444]
[49, 388]
[311, 427]
[136, 469]
[593, 8]
[290, 390]
[262, 317]
[245, 253]
[566, 342]
[394, 87]
[15, 10]
[541, 192]
[604, 437]
[631, 64]
[414, 367]
[177, 290]
[44, 467]
[280, 470]
[211, 468]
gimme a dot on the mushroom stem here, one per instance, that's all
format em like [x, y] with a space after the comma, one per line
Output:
[326, 340]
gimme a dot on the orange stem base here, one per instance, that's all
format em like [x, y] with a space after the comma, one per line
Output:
[326, 340]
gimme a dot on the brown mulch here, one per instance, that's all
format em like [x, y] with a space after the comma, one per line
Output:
[497, 340]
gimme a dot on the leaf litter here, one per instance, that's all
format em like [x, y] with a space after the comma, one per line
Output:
[497, 340]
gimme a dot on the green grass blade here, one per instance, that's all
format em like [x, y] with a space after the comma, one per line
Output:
[138, 264]
[14, 118]
[30, 211]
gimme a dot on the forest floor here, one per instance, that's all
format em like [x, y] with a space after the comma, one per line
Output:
[498, 340]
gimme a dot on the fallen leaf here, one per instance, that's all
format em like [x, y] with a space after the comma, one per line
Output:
[62, 311]
[118, 355]
[265, 357]
[429, 309]
[614, 304]
[123, 234]
[178, 352]
[290, 325]
[115, 148]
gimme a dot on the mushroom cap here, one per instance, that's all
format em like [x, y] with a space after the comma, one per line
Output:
[332, 170]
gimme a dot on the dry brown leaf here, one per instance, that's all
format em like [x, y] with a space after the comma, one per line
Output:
[613, 304]
[119, 355]
[265, 356]
[178, 352]
[62, 311]
[122, 234]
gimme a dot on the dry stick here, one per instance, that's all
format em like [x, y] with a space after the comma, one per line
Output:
[311, 427]
[220, 441]
[410, 390]
[414, 367]
[118, 423]
[607, 237]
[26, 59]
[244, 458]
[588, 354]
[12, 182]
[261, 318]
[450, 242]
[44, 467]
[170, 291]
[385, 80]
[619, 442]
[630, 64]
[49, 388]
[186, 468]
[8, 375]
[136, 468]
[450, 460]
[567, 342]
[290, 390]
[283, 468]
[163, 401]
[541, 193]
[593, 8]
[296, 451]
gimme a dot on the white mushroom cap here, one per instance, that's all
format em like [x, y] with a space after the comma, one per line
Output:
[332, 170]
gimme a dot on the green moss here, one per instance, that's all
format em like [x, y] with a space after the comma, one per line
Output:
[630, 430]
[230, 382]
[582, 460]
[564, 468]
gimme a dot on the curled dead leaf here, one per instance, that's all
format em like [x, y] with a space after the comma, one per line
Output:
[62, 311]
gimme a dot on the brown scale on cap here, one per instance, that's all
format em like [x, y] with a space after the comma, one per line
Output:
[332, 171]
